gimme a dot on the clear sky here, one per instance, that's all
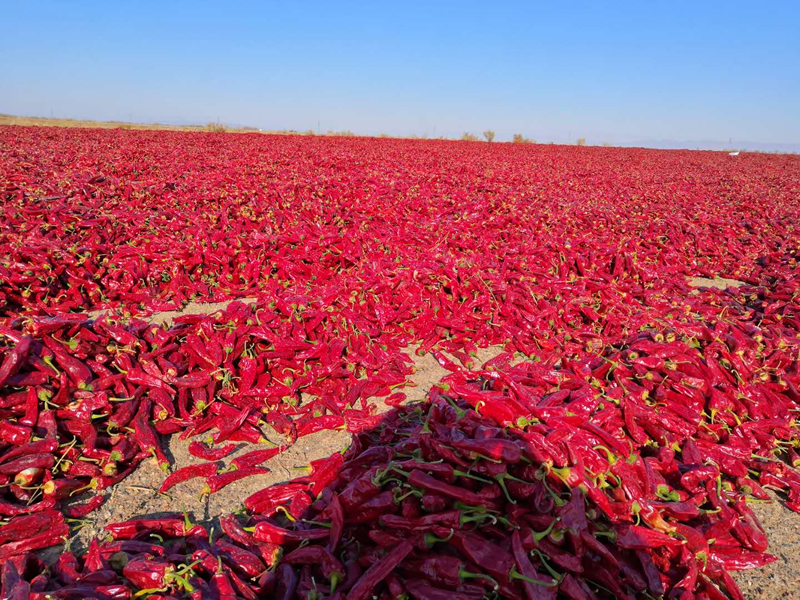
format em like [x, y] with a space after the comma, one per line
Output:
[608, 71]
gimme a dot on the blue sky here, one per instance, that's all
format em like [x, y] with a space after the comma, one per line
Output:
[608, 71]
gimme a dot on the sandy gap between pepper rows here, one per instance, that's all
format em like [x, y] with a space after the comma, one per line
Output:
[136, 495]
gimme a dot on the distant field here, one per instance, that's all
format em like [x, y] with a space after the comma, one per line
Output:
[45, 122]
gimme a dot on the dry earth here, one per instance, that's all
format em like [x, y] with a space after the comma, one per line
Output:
[717, 282]
[781, 579]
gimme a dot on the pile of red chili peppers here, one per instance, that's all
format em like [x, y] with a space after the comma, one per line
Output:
[612, 451]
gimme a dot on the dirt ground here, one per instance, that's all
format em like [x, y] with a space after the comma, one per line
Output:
[781, 579]
[137, 495]
[718, 282]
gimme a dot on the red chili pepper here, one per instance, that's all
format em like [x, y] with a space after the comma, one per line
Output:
[481, 551]
[448, 571]
[173, 526]
[52, 537]
[78, 511]
[14, 433]
[532, 582]
[12, 510]
[736, 559]
[131, 547]
[267, 532]
[209, 353]
[148, 572]
[45, 446]
[286, 584]
[378, 572]
[29, 379]
[360, 490]
[200, 450]
[78, 372]
[227, 427]
[267, 499]
[15, 359]
[188, 472]
[332, 569]
[241, 559]
[493, 448]
[194, 380]
[256, 457]
[323, 472]
[40, 326]
[215, 483]
[146, 438]
[451, 518]
[25, 526]
[248, 372]
[138, 377]
[383, 539]
[369, 510]
[27, 461]
[635, 537]
[420, 480]
[322, 423]
[421, 590]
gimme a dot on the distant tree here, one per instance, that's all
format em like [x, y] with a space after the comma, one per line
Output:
[606, 145]
[489, 135]
[581, 142]
[521, 139]
[383, 135]
[469, 137]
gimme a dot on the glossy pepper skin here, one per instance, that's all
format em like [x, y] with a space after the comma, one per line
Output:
[256, 457]
[216, 482]
[202, 451]
[15, 359]
[378, 571]
[267, 532]
[332, 568]
[186, 473]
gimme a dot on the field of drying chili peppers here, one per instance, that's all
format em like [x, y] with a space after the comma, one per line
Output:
[614, 447]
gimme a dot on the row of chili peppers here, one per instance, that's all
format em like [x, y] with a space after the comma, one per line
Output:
[85, 402]
[116, 219]
[436, 502]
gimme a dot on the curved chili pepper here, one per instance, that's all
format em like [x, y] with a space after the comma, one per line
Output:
[188, 472]
[256, 457]
[15, 359]
[214, 483]
[200, 450]
[267, 532]
[378, 572]
[332, 569]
